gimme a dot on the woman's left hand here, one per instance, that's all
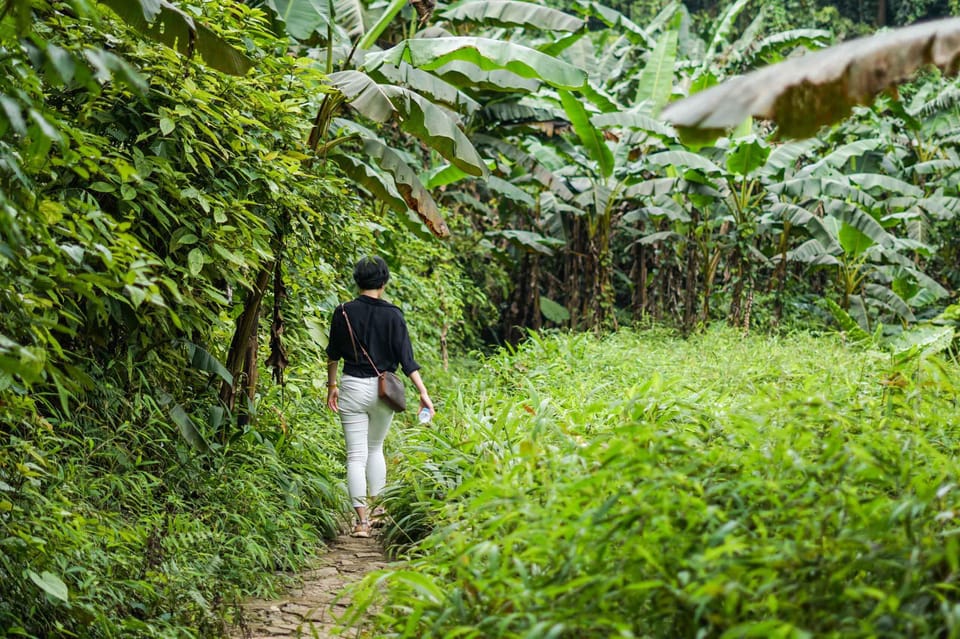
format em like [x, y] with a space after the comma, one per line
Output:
[426, 402]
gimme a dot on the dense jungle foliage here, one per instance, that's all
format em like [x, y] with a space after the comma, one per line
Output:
[185, 187]
[644, 485]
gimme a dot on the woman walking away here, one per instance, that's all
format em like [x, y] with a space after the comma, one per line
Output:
[369, 324]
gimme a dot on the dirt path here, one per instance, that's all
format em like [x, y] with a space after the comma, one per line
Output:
[310, 610]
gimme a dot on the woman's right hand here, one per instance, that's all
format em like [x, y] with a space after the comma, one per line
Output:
[333, 399]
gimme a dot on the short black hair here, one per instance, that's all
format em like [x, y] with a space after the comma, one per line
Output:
[371, 273]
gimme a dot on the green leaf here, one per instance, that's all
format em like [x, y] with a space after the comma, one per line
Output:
[467, 75]
[195, 261]
[417, 115]
[591, 139]
[619, 23]
[302, 18]
[553, 311]
[748, 154]
[508, 13]
[656, 80]
[166, 126]
[201, 359]
[408, 185]
[849, 325]
[180, 417]
[50, 584]
[891, 300]
[486, 53]
[535, 242]
[684, 160]
[511, 191]
[427, 85]
[528, 162]
[636, 122]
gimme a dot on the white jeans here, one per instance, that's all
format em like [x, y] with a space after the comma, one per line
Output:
[366, 420]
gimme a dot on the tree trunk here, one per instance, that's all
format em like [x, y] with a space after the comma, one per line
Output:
[241, 362]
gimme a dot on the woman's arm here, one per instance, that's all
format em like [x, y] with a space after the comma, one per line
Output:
[333, 393]
[425, 401]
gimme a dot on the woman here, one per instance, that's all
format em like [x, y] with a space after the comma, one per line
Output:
[379, 328]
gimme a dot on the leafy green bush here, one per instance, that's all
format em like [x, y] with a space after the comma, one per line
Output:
[641, 485]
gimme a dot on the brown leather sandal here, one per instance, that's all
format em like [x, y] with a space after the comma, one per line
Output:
[362, 529]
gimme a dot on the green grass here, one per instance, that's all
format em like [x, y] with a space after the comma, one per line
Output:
[642, 485]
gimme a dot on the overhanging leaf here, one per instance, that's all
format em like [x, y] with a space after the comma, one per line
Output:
[408, 185]
[417, 116]
[426, 84]
[177, 30]
[508, 13]
[486, 53]
[466, 75]
[802, 94]
[303, 19]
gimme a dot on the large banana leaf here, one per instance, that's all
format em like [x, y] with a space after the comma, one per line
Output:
[508, 13]
[891, 300]
[466, 75]
[656, 79]
[684, 160]
[783, 159]
[635, 121]
[802, 94]
[771, 46]
[380, 184]
[855, 230]
[799, 216]
[165, 23]
[591, 139]
[819, 189]
[426, 84]
[812, 252]
[618, 22]
[880, 185]
[511, 191]
[840, 157]
[302, 19]
[488, 54]
[417, 116]
[509, 113]
[541, 173]
[408, 185]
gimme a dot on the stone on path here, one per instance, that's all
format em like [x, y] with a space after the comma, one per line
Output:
[312, 609]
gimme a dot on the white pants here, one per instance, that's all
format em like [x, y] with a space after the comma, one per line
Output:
[366, 420]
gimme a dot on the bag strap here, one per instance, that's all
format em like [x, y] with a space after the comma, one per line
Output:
[355, 341]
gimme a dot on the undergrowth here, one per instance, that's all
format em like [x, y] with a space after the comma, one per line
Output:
[642, 485]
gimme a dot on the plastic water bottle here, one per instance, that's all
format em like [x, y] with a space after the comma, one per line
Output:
[424, 415]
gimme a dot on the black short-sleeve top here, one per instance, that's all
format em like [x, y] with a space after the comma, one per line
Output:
[380, 328]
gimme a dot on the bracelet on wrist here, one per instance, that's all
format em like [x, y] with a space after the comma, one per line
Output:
[331, 384]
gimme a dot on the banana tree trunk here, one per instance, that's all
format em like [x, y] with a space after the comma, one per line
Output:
[242, 358]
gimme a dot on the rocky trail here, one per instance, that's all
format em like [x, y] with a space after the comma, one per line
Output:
[311, 610]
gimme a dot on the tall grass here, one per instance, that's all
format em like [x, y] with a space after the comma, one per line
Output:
[641, 485]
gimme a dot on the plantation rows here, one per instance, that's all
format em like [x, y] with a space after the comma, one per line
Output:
[641, 485]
